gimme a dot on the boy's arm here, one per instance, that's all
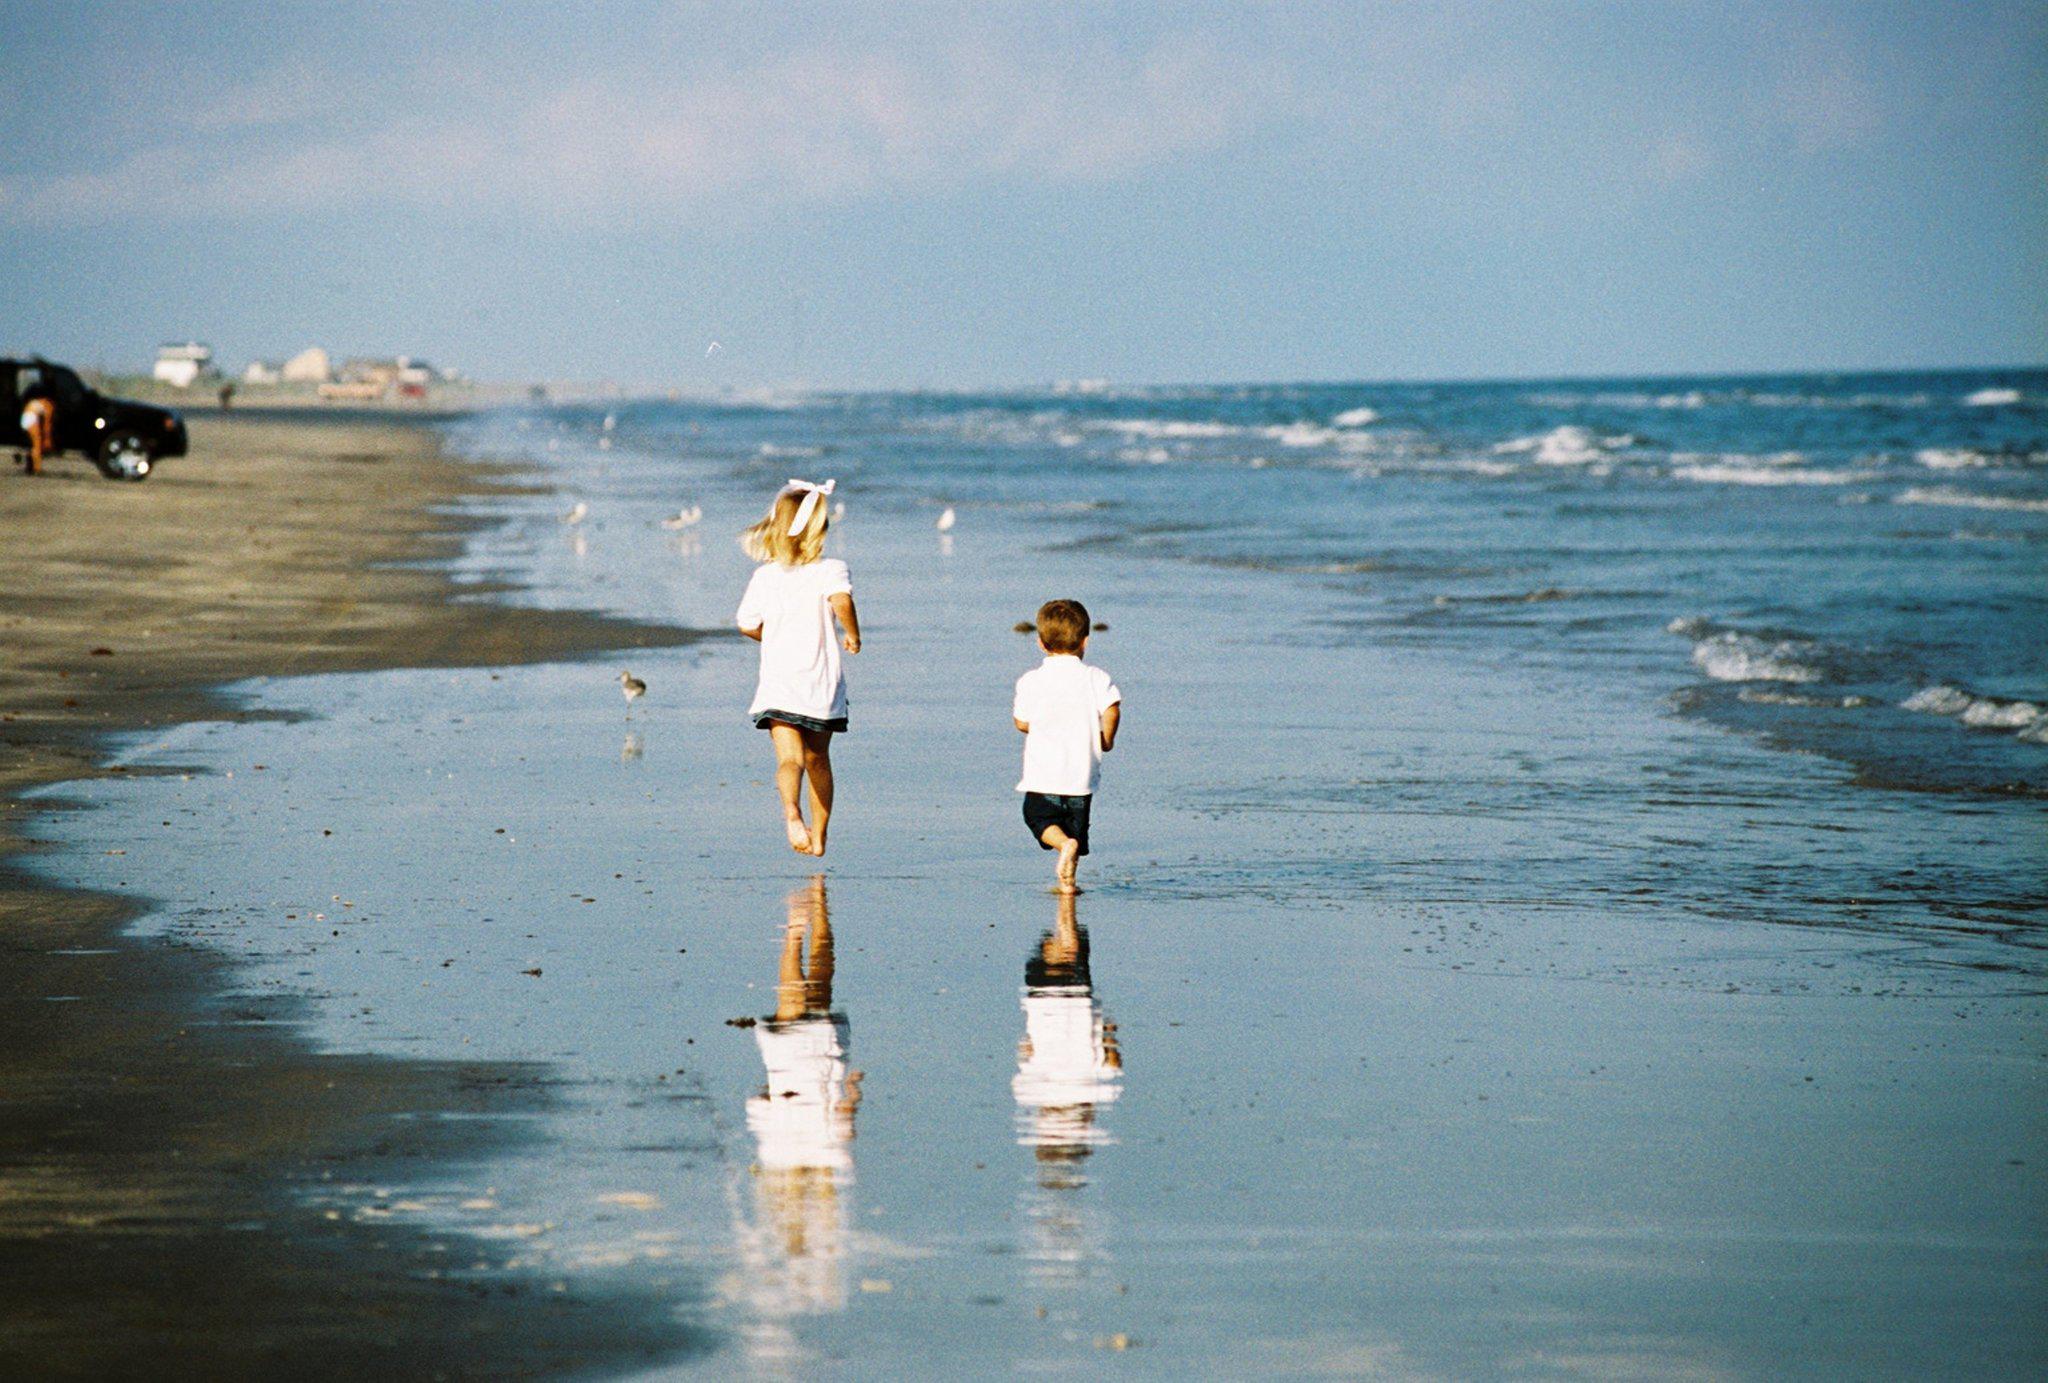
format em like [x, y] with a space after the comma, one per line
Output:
[1111, 718]
[1022, 725]
[754, 633]
[849, 620]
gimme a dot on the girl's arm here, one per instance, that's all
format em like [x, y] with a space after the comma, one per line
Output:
[849, 620]
[754, 633]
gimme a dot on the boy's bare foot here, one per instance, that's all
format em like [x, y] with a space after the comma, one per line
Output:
[799, 835]
[1069, 862]
[817, 845]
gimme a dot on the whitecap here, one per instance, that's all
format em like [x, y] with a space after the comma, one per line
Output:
[1981, 712]
[1951, 458]
[1992, 398]
[1356, 417]
[1169, 427]
[1569, 445]
[1741, 474]
[1732, 656]
[1963, 499]
[1302, 434]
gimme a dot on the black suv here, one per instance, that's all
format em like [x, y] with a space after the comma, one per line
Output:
[125, 439]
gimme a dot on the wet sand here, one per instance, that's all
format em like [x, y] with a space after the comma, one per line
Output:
[159, 1130]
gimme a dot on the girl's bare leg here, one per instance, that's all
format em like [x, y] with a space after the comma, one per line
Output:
[817, 763]
[789, 783]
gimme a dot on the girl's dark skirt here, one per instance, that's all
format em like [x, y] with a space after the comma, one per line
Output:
[836, 725]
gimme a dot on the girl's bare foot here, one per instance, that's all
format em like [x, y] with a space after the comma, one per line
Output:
[817, 845]
[800, 835]
[1069, 861]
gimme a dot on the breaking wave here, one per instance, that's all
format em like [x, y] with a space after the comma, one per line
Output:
[1733, 655]
[1780, 469]
[1963, 499]
[1355, 417]
[1992, 398]
[2024, 718]
[1569, 445]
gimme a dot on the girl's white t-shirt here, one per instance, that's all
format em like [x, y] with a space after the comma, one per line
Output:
[800, 670]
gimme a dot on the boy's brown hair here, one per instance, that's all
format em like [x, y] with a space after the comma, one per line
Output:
[1063, 626]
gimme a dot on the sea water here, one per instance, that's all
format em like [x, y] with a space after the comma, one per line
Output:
[1567, 897]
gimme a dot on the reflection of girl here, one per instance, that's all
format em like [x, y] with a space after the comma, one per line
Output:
[802, 1120]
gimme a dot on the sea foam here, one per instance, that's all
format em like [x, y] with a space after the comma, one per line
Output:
[1981, 712]
[1951, 458]
[1963, 499]
[1355, 417]
[1993, 398]
[1569, 445]
[1169, 428]
[1731, 655]
[1781, 469]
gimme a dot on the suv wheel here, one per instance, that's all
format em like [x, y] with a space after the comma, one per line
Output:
[125, 457]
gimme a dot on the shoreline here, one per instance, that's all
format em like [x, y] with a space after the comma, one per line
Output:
[159, 1126]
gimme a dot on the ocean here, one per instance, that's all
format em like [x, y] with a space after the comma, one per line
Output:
[1567, 897]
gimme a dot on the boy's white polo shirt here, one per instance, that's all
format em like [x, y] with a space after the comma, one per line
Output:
[1062, 700]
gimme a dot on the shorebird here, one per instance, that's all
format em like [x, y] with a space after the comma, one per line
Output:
[577, 514]
[632, 686]
[839, 511]
[684, 518]
[947, 520]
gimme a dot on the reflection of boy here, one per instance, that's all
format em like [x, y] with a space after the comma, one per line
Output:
[1069, 713]
[1068, 1062]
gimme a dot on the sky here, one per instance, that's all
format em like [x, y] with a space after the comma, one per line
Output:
[923, 195]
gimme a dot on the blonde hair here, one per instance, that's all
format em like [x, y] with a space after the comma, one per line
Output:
[771, 541]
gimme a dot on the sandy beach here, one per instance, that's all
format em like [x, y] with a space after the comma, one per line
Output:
[158, 1131]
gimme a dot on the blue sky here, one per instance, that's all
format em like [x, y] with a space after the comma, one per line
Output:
[935, 195]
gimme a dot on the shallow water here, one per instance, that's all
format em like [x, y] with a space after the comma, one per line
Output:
[1454, 1000]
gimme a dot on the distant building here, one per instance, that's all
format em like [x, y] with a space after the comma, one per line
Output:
[261, 372]
[181, 365]
[309, 366]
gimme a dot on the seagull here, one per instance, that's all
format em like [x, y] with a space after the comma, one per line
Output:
[947, 520]
[711, 349]
[632, 686]
[578, 514]
[684, 518]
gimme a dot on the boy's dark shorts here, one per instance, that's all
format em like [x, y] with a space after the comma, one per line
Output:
[1070, 814]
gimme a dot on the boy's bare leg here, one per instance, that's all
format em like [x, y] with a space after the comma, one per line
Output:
[817, 746]
[789, 783]
[1067, 865]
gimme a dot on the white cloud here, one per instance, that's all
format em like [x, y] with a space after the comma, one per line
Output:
[813, 125]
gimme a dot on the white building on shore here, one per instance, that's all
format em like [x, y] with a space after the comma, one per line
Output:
[180, 365]
[310, 366]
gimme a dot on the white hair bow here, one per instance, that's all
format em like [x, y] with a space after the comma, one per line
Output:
[812, 494]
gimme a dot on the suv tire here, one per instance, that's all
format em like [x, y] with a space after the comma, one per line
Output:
[126, 456]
